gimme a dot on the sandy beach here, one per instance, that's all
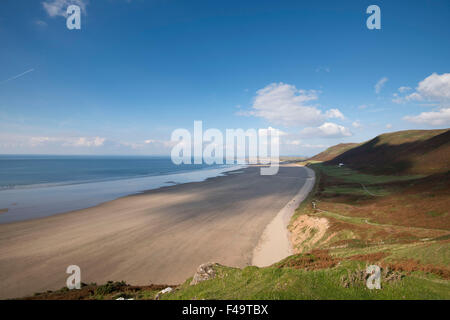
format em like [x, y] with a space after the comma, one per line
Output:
[160, 236]
[274, 243]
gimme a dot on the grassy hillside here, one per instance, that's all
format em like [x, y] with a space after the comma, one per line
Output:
[403, 152]
[397, 222]
[283, 281]
[333, 152]
[365, 210]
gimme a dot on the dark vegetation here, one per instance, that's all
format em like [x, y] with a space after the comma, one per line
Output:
[399, 153]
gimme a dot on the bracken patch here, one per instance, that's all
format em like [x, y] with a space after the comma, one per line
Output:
[316, 259]
[411, 265]
[370, 257]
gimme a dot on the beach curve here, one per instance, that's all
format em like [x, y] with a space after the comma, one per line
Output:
[274, 244]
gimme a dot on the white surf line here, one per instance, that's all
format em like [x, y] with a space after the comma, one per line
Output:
[274, 244]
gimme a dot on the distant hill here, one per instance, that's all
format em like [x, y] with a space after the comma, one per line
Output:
[402, 152]
[334, 151]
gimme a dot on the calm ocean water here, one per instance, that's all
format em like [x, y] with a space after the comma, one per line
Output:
[38, 186]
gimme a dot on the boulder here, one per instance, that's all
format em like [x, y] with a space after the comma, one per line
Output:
[204, 272]
[166, 290]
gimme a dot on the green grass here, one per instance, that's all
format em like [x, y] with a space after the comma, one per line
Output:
[346, 182]
[348, 175]
[435, 214]
[437, 253]
[357, 190]
[287, 283]
[400, 137]
[354, 220]
[427, 252]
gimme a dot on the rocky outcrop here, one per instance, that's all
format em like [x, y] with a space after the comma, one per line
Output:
[166, 290]
[204, 272]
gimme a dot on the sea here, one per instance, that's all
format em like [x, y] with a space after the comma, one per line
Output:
[36, 186]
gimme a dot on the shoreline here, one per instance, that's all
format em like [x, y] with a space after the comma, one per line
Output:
[160, 236]
[275, 244]
[25, 204]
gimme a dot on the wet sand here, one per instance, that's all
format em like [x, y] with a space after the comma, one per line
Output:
[160, 236]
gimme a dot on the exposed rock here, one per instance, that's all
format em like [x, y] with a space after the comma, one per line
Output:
[166, 290]
[204, 272]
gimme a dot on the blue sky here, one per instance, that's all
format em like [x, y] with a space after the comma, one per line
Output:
[139, 69]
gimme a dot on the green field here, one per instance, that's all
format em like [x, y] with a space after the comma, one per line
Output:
[348, 175]
[289, 283]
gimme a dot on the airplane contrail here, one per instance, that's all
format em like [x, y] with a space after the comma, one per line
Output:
[17, 76]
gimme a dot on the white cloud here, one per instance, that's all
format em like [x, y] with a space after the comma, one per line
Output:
[87, 142]
[149, 144]
[293, 142]
[432, 118]
[35, 141]
[56, 8]
[379, 85]
[327, 130]
[334, 113]
[388, 126]
[286, 105]
[59, 144]
[326, 69]
[404, 89]
[314, 146]
[270, 131]
[433, 88]
[362, 107]
[414, 96]
[68, 141]
[357, 124]
[398, 100]
[162, 143]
